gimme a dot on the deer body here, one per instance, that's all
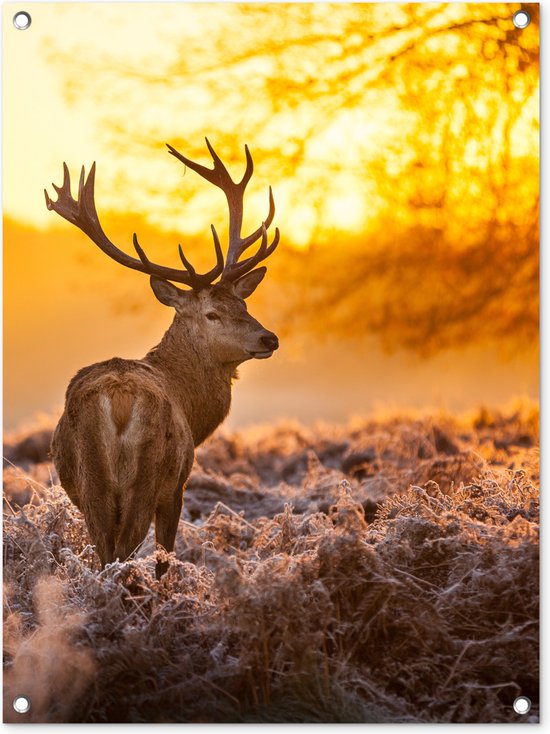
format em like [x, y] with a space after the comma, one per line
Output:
[123, 454]
[124, 446]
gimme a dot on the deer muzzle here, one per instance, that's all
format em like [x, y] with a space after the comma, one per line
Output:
[270, 342]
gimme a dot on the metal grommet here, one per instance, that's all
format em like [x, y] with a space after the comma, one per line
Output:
[522, 705]
[521, 19]
[21, 704]
[22, 20]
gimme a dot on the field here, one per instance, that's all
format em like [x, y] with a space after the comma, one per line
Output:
[383, 571]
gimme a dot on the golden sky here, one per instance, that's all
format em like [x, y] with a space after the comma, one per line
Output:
[69, 121]
[35, 144]
[380, 135]
[90, 69]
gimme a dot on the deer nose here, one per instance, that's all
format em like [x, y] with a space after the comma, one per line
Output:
[270, 341]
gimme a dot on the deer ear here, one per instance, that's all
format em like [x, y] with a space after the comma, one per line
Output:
[167, 293]
[247, 284]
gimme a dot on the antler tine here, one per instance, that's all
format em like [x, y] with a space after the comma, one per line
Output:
[66, 185]
[234, 192]
[186, 262]
[219, 175]
[90, 181]
[207, 173]
[236, 270]
[247, 241]
[249, 168]
[140, 251]
[223, 178]
[82, 213]
[200, 281]
[218, 269]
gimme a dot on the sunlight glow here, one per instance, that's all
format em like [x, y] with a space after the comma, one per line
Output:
[401, 137]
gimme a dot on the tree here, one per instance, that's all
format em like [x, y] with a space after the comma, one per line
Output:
[404, 143]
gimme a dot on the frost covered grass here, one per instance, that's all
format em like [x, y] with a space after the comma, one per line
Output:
[386, 571]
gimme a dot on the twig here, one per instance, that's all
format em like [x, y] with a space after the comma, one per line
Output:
[232, 512]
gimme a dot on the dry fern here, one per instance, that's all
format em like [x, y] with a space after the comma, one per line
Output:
[383, 572]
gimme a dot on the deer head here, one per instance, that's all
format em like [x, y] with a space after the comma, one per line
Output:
[214, 312]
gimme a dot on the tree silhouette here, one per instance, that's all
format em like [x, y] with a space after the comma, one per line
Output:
[424, 114]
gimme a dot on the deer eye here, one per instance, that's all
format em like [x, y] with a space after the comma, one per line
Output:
[212, 316]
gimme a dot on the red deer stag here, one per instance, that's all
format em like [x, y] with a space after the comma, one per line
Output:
[124, 446]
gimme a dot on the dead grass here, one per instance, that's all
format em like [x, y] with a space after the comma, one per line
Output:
[382, 572]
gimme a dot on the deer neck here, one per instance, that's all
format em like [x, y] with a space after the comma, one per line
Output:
[198, 385]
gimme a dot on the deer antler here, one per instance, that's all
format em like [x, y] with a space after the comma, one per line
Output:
[82, 213]
[234, 192]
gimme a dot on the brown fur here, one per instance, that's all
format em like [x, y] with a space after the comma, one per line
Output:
[124, 446]
[122, 403]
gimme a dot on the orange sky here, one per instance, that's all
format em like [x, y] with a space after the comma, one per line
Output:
[78, 107]
[63, 298]
[56, 324]
[68, 123]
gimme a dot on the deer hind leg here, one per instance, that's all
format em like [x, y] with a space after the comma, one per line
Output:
[101, 520]
[166, 525]
[105, 547]
[135, 518]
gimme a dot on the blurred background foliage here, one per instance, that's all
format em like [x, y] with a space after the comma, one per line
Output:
[402, 145]
[401, 141]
